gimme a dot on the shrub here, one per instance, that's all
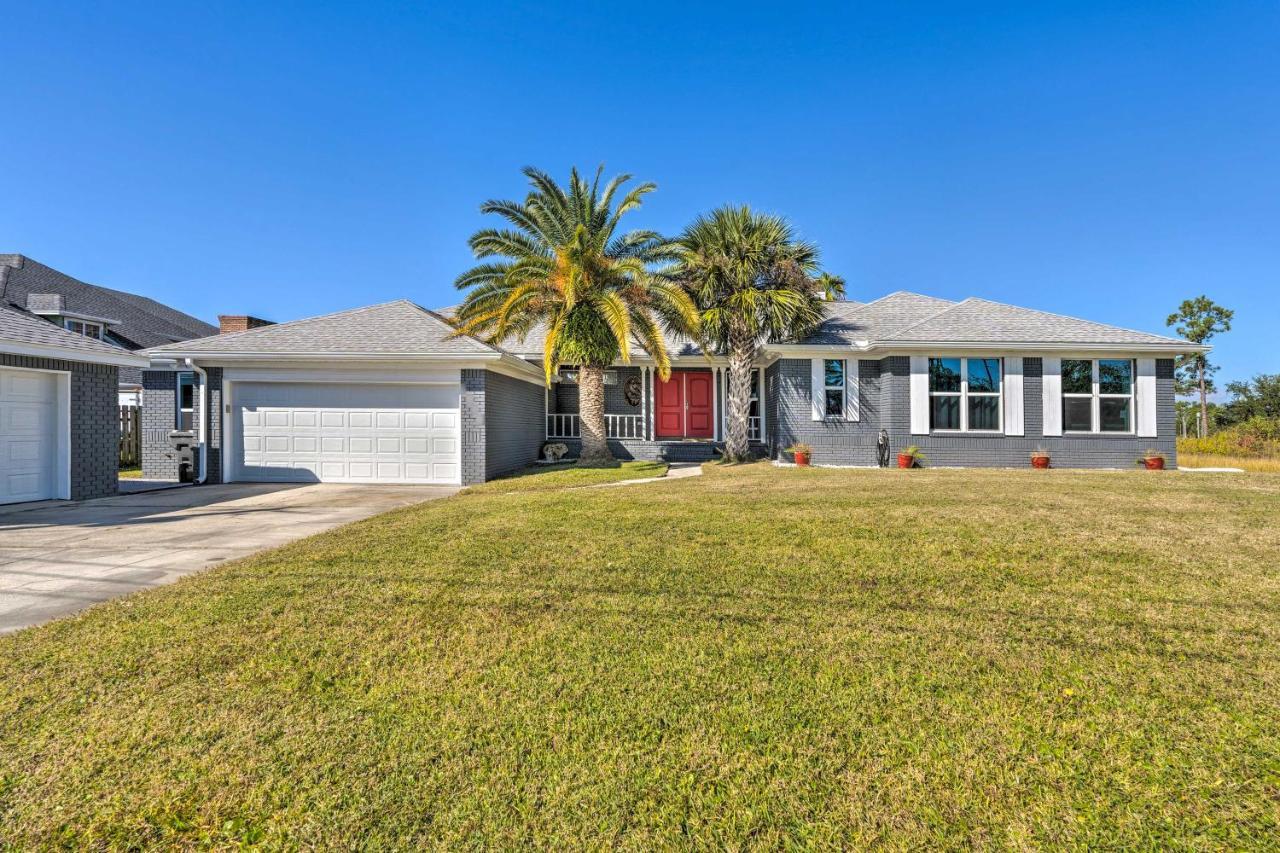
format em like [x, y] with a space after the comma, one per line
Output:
[1256, 437]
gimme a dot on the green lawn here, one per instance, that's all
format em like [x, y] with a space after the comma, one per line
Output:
[758, 657]
[130, 473]
[541, 478]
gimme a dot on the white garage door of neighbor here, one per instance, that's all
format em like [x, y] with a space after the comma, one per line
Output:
[28, 436]
[346, 433]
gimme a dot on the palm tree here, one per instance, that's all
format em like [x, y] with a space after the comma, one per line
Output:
[754, 282]
[564, 268]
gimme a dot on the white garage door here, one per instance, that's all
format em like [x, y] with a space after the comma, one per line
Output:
[28, 436]
[346, 433]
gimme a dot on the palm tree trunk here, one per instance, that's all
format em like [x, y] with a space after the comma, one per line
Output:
[595, 446]
[741, 355]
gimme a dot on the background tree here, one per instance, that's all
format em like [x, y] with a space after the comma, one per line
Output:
[1257, 398]
[1198, 320]
[754, 282]
[565, 268]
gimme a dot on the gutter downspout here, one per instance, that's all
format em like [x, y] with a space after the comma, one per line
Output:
[202, 432]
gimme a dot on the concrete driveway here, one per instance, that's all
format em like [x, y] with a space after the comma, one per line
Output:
[57, 559]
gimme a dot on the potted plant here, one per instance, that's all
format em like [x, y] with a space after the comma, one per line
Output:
[1039, 458]
[1153, 460]
[802, 452]
[911, 457]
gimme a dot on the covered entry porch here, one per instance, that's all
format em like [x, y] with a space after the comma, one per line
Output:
[640, 409]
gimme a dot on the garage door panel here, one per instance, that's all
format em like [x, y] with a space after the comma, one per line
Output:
[28, 436]
[327, 432]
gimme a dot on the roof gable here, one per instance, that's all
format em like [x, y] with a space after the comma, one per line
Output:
[388, 329]
[19, 327]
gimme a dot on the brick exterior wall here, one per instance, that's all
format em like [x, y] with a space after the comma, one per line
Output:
[95, 423]
[159, 408]
[159, 403]
[472, 410]
[514, 425]
[885, 400]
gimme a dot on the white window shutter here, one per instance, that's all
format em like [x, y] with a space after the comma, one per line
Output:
[1051, 383]
[851, 398]
[818, 387]
[1013, 416]
[919, 395]
[1145, 398]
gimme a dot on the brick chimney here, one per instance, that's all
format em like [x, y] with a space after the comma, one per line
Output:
[240, 323]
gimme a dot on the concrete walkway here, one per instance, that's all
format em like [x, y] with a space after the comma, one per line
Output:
[675, 471]
[58, 558]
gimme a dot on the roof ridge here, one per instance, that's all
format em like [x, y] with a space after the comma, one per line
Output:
[951, 306]
[227, 336]
[1069, 317]
[453, 330]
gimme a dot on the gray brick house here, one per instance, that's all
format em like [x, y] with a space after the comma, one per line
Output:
[59, 420]
[389, 393]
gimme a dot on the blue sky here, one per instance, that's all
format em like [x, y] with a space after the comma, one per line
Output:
[1101, 160]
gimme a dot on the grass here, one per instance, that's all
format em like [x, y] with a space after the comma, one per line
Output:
[757, 657]
[130, 473]
[541, 478]
[1262, 465]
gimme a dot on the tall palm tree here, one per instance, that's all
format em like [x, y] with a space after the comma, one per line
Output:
[754, 282]
[564, 268]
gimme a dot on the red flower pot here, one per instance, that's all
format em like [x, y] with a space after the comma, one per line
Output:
[802, 459]
[1155, 463]
[1039, 461]
[906, 460]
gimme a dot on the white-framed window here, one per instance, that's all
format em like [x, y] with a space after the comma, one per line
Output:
[965, 395]
[89, 330]
[1097, 395]
[833, 387]
[184, 417]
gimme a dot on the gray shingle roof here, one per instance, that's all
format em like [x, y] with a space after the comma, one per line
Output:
[142, 322]
[982, 321]
[19, 327]
[392, 328]
[849, 322]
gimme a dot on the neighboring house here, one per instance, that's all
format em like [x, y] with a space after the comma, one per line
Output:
[388, 393]
[118, 319]
[59, 416]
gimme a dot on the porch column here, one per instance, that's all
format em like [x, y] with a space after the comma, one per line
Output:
[546, 411]
[653, 403]
[759, 380]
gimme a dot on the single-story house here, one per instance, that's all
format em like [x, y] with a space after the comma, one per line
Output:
[122, 320]
[388, 393]
[59, 415]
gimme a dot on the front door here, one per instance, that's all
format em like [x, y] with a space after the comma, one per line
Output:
[685, 405]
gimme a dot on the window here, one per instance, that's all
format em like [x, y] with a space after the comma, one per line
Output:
[89, 330]
[1097, 395]
[964, 394]
[833, 387]
[185, 415]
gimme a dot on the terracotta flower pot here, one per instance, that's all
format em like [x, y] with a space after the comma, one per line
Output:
[1154, 463]
[802, 459]
[1039, 461]
[906, 460]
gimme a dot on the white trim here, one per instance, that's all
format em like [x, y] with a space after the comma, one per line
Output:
[1145, 398]
[73, 315]
[817, 388]
[504, 363]
[123, 359]
[852, 401]
[919, 396]
[411, 375]
[764, 424]
[1014, 419]
[1051, 396]
[889, 347]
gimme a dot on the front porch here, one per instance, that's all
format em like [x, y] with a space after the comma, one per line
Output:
[649, 418]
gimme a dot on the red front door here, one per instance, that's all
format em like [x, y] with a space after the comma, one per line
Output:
[685, 405]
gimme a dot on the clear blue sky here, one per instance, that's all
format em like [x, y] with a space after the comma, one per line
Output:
[1103, 160]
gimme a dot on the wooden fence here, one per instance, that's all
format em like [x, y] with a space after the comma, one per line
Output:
[130, 436]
